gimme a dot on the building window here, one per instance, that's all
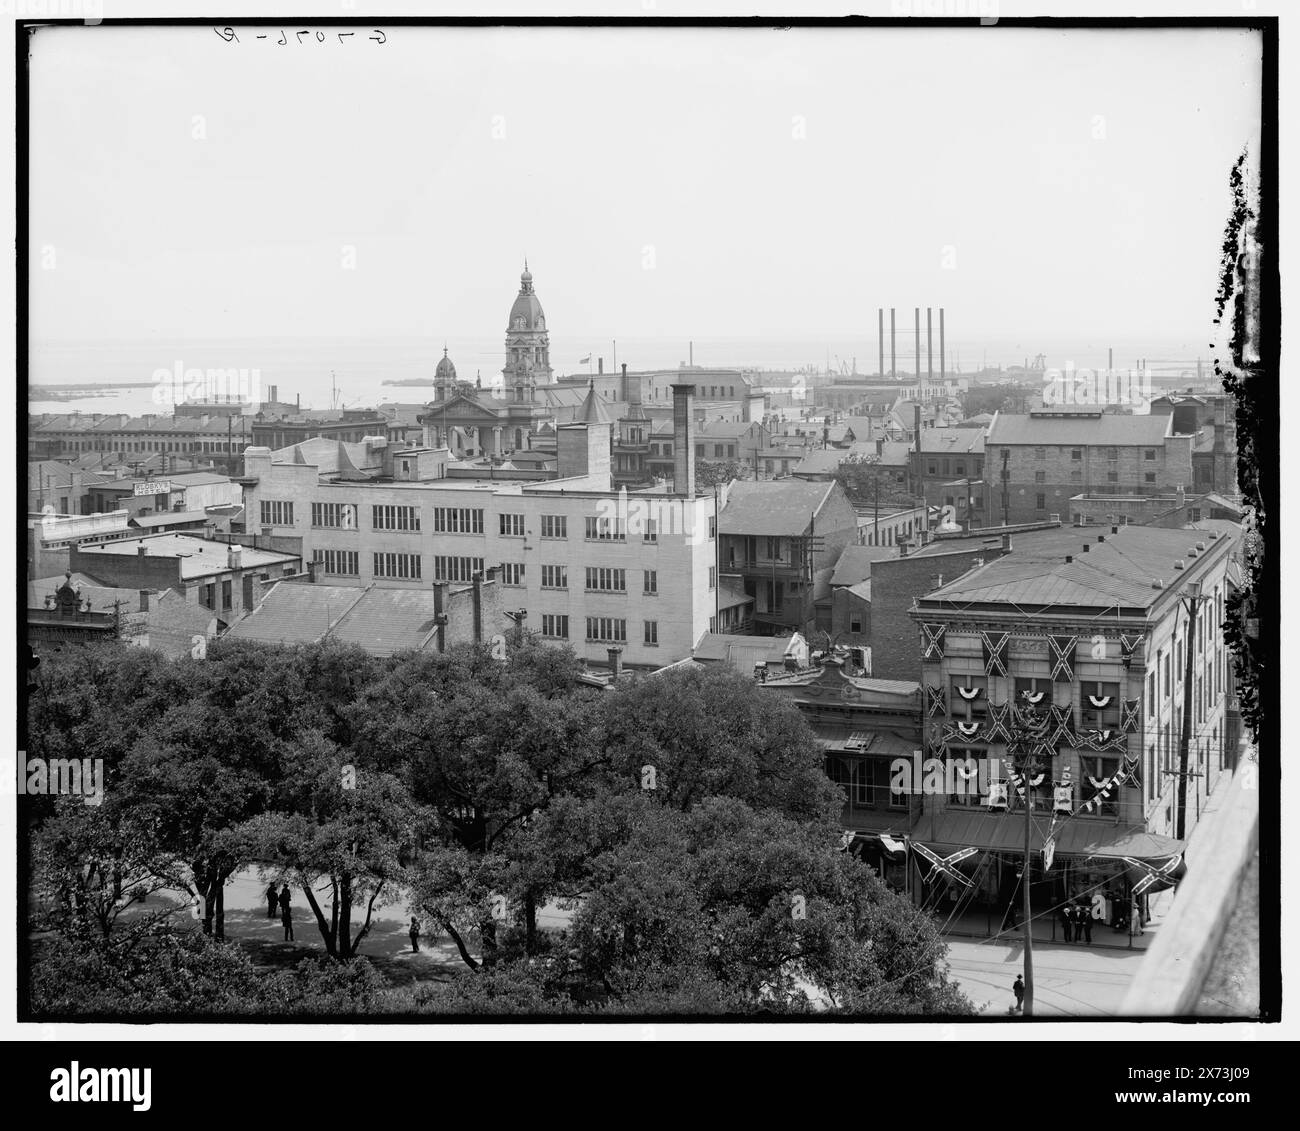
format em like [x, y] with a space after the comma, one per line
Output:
[226, 595]
[651, 581]
[555, 625]
[933, 469]
[457, 520]
[1149, 454]
[276, 513]
[855, 623]
[605, 530]
[334, 516]
[1099, 769]
[1077, 476]
[1094, 717]
[512, 573]
[1040, 477]
[1151, 695]
[555, 526]
[603, 580]
[1076, 453]
[512, 525]
[337, 563]
[651, 530]
[208, 596]
[1149, 477]
[1112, 477]
[609, 630]
[447, 568]
[713, 577]
[960, 707]
[1040, 502]
[396, 518]
[1112, 454]
[774, 549]
[652, 632]
[1040, 453]
[399, 567]
[713, 527]
[699, 451]
[555, 577]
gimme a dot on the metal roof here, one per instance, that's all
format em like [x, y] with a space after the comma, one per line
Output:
[1098, 429]
[772, 507]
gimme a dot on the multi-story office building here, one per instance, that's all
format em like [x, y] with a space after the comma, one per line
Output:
[590, 566]
[1109, 638]
[1034, 464]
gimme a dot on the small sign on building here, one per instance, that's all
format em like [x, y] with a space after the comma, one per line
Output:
[154, 487]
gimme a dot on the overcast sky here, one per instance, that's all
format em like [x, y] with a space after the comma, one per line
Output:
[693, 182]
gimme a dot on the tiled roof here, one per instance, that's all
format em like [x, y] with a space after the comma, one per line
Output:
[773, 507]
[855, 563]
[1104, 429]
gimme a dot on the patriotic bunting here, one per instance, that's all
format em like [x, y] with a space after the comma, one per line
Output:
[946, 865]
[1131, 768]
[968, 730]
[1101, 740]
[935, 703]
[970, 694]
[1101, 702]
[1060, 651]
[1127, 646]
[1033, 698]
[1151, 875]
[1130, 717]
[995, 652]
[932, 641]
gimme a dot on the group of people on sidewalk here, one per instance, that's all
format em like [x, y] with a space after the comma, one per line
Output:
[1076, 921]
[280, 899]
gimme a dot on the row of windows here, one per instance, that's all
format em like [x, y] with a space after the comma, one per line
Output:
[347, 563]
[1112, 454]
[209, 446]
[603, 630]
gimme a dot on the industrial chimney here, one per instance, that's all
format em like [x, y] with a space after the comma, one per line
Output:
[683, 440]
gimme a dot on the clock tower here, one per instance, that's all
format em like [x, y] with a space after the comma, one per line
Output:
[528, 351]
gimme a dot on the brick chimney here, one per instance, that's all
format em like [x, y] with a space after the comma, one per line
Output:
[683, 440]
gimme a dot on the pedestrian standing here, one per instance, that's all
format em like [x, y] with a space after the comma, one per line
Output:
[1018, 988]
[1067, 922]
[286, 917]
[1084, 913]
[284, 899]
[272, 899]
[415, 935]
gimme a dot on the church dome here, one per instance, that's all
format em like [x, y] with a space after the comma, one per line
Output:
[445, 371]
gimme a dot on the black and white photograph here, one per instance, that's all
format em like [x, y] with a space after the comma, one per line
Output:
[657, 518]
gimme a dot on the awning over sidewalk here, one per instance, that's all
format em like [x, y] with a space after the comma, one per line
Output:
[1005, 832]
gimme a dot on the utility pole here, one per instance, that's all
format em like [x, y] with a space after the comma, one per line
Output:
[1192, 603]
[1030, 729]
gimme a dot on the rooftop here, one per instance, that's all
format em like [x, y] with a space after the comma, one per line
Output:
[198, 557]
[855, 563]
[774, 507]
[1098, 428]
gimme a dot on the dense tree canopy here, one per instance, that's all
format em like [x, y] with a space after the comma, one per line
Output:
[680, 824]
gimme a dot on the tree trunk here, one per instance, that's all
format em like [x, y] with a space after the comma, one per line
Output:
[465, 955]
[327, 932]
[221, 908]
[345, 917]
[530, 923]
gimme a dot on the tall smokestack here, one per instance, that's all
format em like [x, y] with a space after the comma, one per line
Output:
[880, 336]
[929, 350]
[600, 365]
[683, 440]
[918, 343]
[941, 358]
[891, 342]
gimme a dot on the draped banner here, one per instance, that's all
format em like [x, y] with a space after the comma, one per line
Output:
[1033, 698]
[1060, 651]
[995, 652]
[934, 701]
[1101, 702]
[1127, 646]
[970, 694]
[1000, 722]
[1060, 726]
[945, 865]
[1130, 721]
[1165, 874]
[968, 731]
[932, 641]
